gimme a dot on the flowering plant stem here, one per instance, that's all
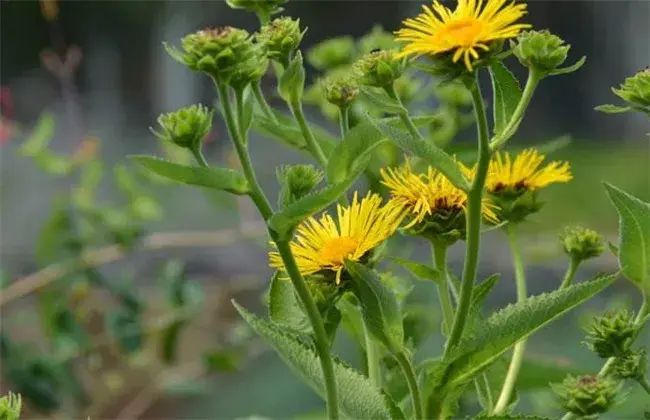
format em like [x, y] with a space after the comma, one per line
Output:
[284, 249]
[372, 359]
[312, 144]
[344, 120]
[510, 129]
[261, 101]
[644, 311]
[404, 115]
[520, 348]
[474, 202]
[440, 259]
[411, 378]
[570, 273]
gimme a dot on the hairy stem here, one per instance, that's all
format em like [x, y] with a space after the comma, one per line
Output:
[570, 273]
[411, 378]
[284, 249]
[404, 115]
[440, 259]
[372, 359]
[473, 222]
[520, 348]
[510, 129]
[198, 155]
[344, 120]
[261, 101]
[312, 145]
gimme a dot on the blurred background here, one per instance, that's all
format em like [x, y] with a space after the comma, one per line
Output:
[98, 72]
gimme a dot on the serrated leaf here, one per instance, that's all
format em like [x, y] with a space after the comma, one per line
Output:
[40, 137]
[613, 109]
[418, 270]
[358, 398]
[505, 328]
[216, 178]
[634, 236]
[432, 154]
[507, 94]
[381, 101]
[379, 307]
[284, 308]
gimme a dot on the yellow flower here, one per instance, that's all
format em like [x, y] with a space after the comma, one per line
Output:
[468, 28]
[524, 172]
[324, 244]
[428, 195]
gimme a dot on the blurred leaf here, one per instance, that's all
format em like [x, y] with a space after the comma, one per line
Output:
[419, 323]
[284, 307]
[222, 361]
[634, 236]
[248, 107]
[613, 109]
[169, 341]
[418, 270]
[56, 231]
[125, 326]
[379, 307]
[431, 153]
[381, 101]
[358, 398]
[53, 164]
[507, 94]
[287, 132]
[40, 137]
[481, 292]
[217, 178]
[187, 388]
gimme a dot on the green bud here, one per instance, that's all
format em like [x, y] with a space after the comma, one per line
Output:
[636, 89]
[582, 244]
[265, 7]
[296, 181]
[587, 395]
[541, 50]
[612, 334]
[340, 88]
[632, 365]
[379, 68]
[314, 96]
[249, 71]
[332, 53]
[280, 38]
[10, 406]
[377, 39]
[216, 52]
[186, 127]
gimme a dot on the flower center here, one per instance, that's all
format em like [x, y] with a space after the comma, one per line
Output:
[462, 32]
[336, 249]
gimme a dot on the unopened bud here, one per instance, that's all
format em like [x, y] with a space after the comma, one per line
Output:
[280, 38]
[582, 244]
[541, 50]
[632, 365]
[185, 127]
[379, 68]
[340, 88]
[636, 89]
[587, 395]
[611, 334]
[297, 181]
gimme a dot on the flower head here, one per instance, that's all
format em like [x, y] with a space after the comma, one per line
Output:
[280, 38]
[541, 50]
[636, 89]
[340, 88]
[611, 334]
[472, 26]
[379, 68]
[185, 127]
[324, 244]
[582, 244]
[430, 199]
[513, 176]
[587, 395]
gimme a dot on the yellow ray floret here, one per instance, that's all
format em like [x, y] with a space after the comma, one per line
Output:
[524, 172]
[323, 244]
[465, 30]
[422, 195]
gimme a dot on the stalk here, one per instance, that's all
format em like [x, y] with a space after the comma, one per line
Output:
[312, 144]
[344, 120]
[411, 379]
[404, 115]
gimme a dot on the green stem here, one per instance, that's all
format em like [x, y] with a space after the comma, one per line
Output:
[644, 310]
[198, 155]
[570, 273]
[372, 359]
[411, 379]
[344, 120]
[239, 104]
[312, 144]
[404, 116]
[440, 259]
[644, 384]
[473, 221]
[320, 335]
[520, 347]
[510, 129]
[261, 101]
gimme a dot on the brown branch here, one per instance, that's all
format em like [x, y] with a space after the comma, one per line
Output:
[38, 280]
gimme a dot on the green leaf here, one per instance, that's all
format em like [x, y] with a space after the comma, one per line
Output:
[504, 329]
[634, 236]
[569, 69]
[284, 308]
[285, 130]
[249, 106]
[125, 326]
[613, 109]
[222, 360]
[40, 137]
[292, 81]
[507, 94]
[381, 101]
[479, 295]
[169, 341]
[358, 398]
[284, 221]
[431, 153]
[419, 271]
[379, 307]
[53, 164]
[216, 178]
